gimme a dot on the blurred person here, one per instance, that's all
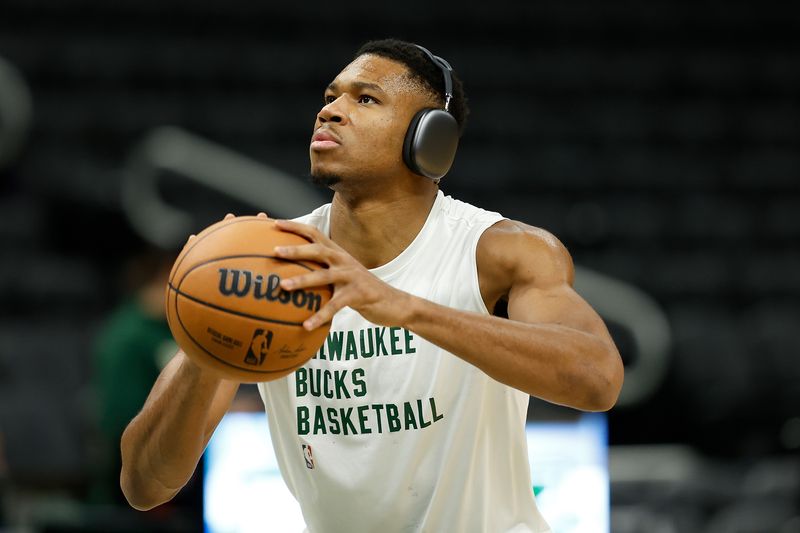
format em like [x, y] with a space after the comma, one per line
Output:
[429, 437]
[131, 349]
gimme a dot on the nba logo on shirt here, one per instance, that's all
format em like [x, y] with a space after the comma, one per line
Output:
[307, 454]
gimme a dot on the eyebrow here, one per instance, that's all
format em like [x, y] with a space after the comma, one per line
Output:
[358, 85]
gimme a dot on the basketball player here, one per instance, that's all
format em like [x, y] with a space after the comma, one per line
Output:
[411, 415]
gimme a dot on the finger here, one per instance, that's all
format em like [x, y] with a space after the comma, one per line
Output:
[318, 278]
[229, 216]
[324, 315]
[191, 238]
[304, 230]
[308, 252]
[262, 215]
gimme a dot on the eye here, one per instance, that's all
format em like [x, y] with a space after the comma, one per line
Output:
[366, 99]
[328, 98]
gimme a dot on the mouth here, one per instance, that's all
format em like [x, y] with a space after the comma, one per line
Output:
[324, 140]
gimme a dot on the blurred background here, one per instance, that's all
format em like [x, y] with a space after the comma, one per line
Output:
[658, 140]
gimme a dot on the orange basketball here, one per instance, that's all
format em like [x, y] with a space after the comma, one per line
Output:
[226, 309]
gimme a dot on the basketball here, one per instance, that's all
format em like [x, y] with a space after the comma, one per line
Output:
[225, 306]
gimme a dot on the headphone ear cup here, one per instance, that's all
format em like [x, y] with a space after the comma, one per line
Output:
[408, 142]
[431, 142]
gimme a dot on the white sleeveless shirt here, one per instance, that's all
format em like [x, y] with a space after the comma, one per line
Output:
[383, 431]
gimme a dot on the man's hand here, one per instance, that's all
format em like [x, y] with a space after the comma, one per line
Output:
[354, 286]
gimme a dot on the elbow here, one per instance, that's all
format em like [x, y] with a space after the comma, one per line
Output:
[135, 490]
[603, 401]
[136, 498]
[142, 491]
[600, 401]
[129, 481]
[608, 384]
[141, 494]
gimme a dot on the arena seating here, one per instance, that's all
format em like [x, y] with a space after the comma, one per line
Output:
[657, 140]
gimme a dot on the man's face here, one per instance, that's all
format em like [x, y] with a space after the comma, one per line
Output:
[359, 131]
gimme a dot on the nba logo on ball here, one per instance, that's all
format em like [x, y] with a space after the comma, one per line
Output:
[309, 457]
[259, 347]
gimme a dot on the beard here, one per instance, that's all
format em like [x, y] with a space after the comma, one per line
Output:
[325, 179]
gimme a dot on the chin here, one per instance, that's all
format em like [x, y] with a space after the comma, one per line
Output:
[325, 179]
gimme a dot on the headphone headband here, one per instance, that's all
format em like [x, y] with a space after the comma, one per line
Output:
[447, 70]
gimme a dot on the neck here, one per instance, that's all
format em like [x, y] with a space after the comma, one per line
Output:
[375, 228]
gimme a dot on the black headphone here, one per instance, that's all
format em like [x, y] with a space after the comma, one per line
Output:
[432, 137]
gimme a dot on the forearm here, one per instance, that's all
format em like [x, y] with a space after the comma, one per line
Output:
[163, 443]
[556, 363]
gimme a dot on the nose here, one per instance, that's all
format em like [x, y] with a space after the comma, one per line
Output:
[332, 112]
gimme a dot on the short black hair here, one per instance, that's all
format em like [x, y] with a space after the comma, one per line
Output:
[424, 70]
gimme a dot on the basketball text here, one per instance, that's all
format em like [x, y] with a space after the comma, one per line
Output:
[241, 283]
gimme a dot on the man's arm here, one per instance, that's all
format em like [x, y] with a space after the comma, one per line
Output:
[164, 442]
[554, 346]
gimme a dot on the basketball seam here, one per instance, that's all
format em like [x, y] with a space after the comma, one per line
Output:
[234, 221]
[231, 311]
[204, 263]
[217, 358]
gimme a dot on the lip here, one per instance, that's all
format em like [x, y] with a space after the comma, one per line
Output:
[324, 135]
[324, 140]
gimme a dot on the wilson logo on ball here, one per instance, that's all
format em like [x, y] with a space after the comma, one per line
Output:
[241, 283]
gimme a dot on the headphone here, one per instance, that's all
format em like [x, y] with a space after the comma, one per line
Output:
[432, 137]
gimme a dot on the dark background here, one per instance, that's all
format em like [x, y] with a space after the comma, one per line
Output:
[658, 140]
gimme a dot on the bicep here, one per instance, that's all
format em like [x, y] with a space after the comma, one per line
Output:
[558, 304]
[534, 272]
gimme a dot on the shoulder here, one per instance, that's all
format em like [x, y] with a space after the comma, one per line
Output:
[317, 218]
[465, 214]
[516, 252]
